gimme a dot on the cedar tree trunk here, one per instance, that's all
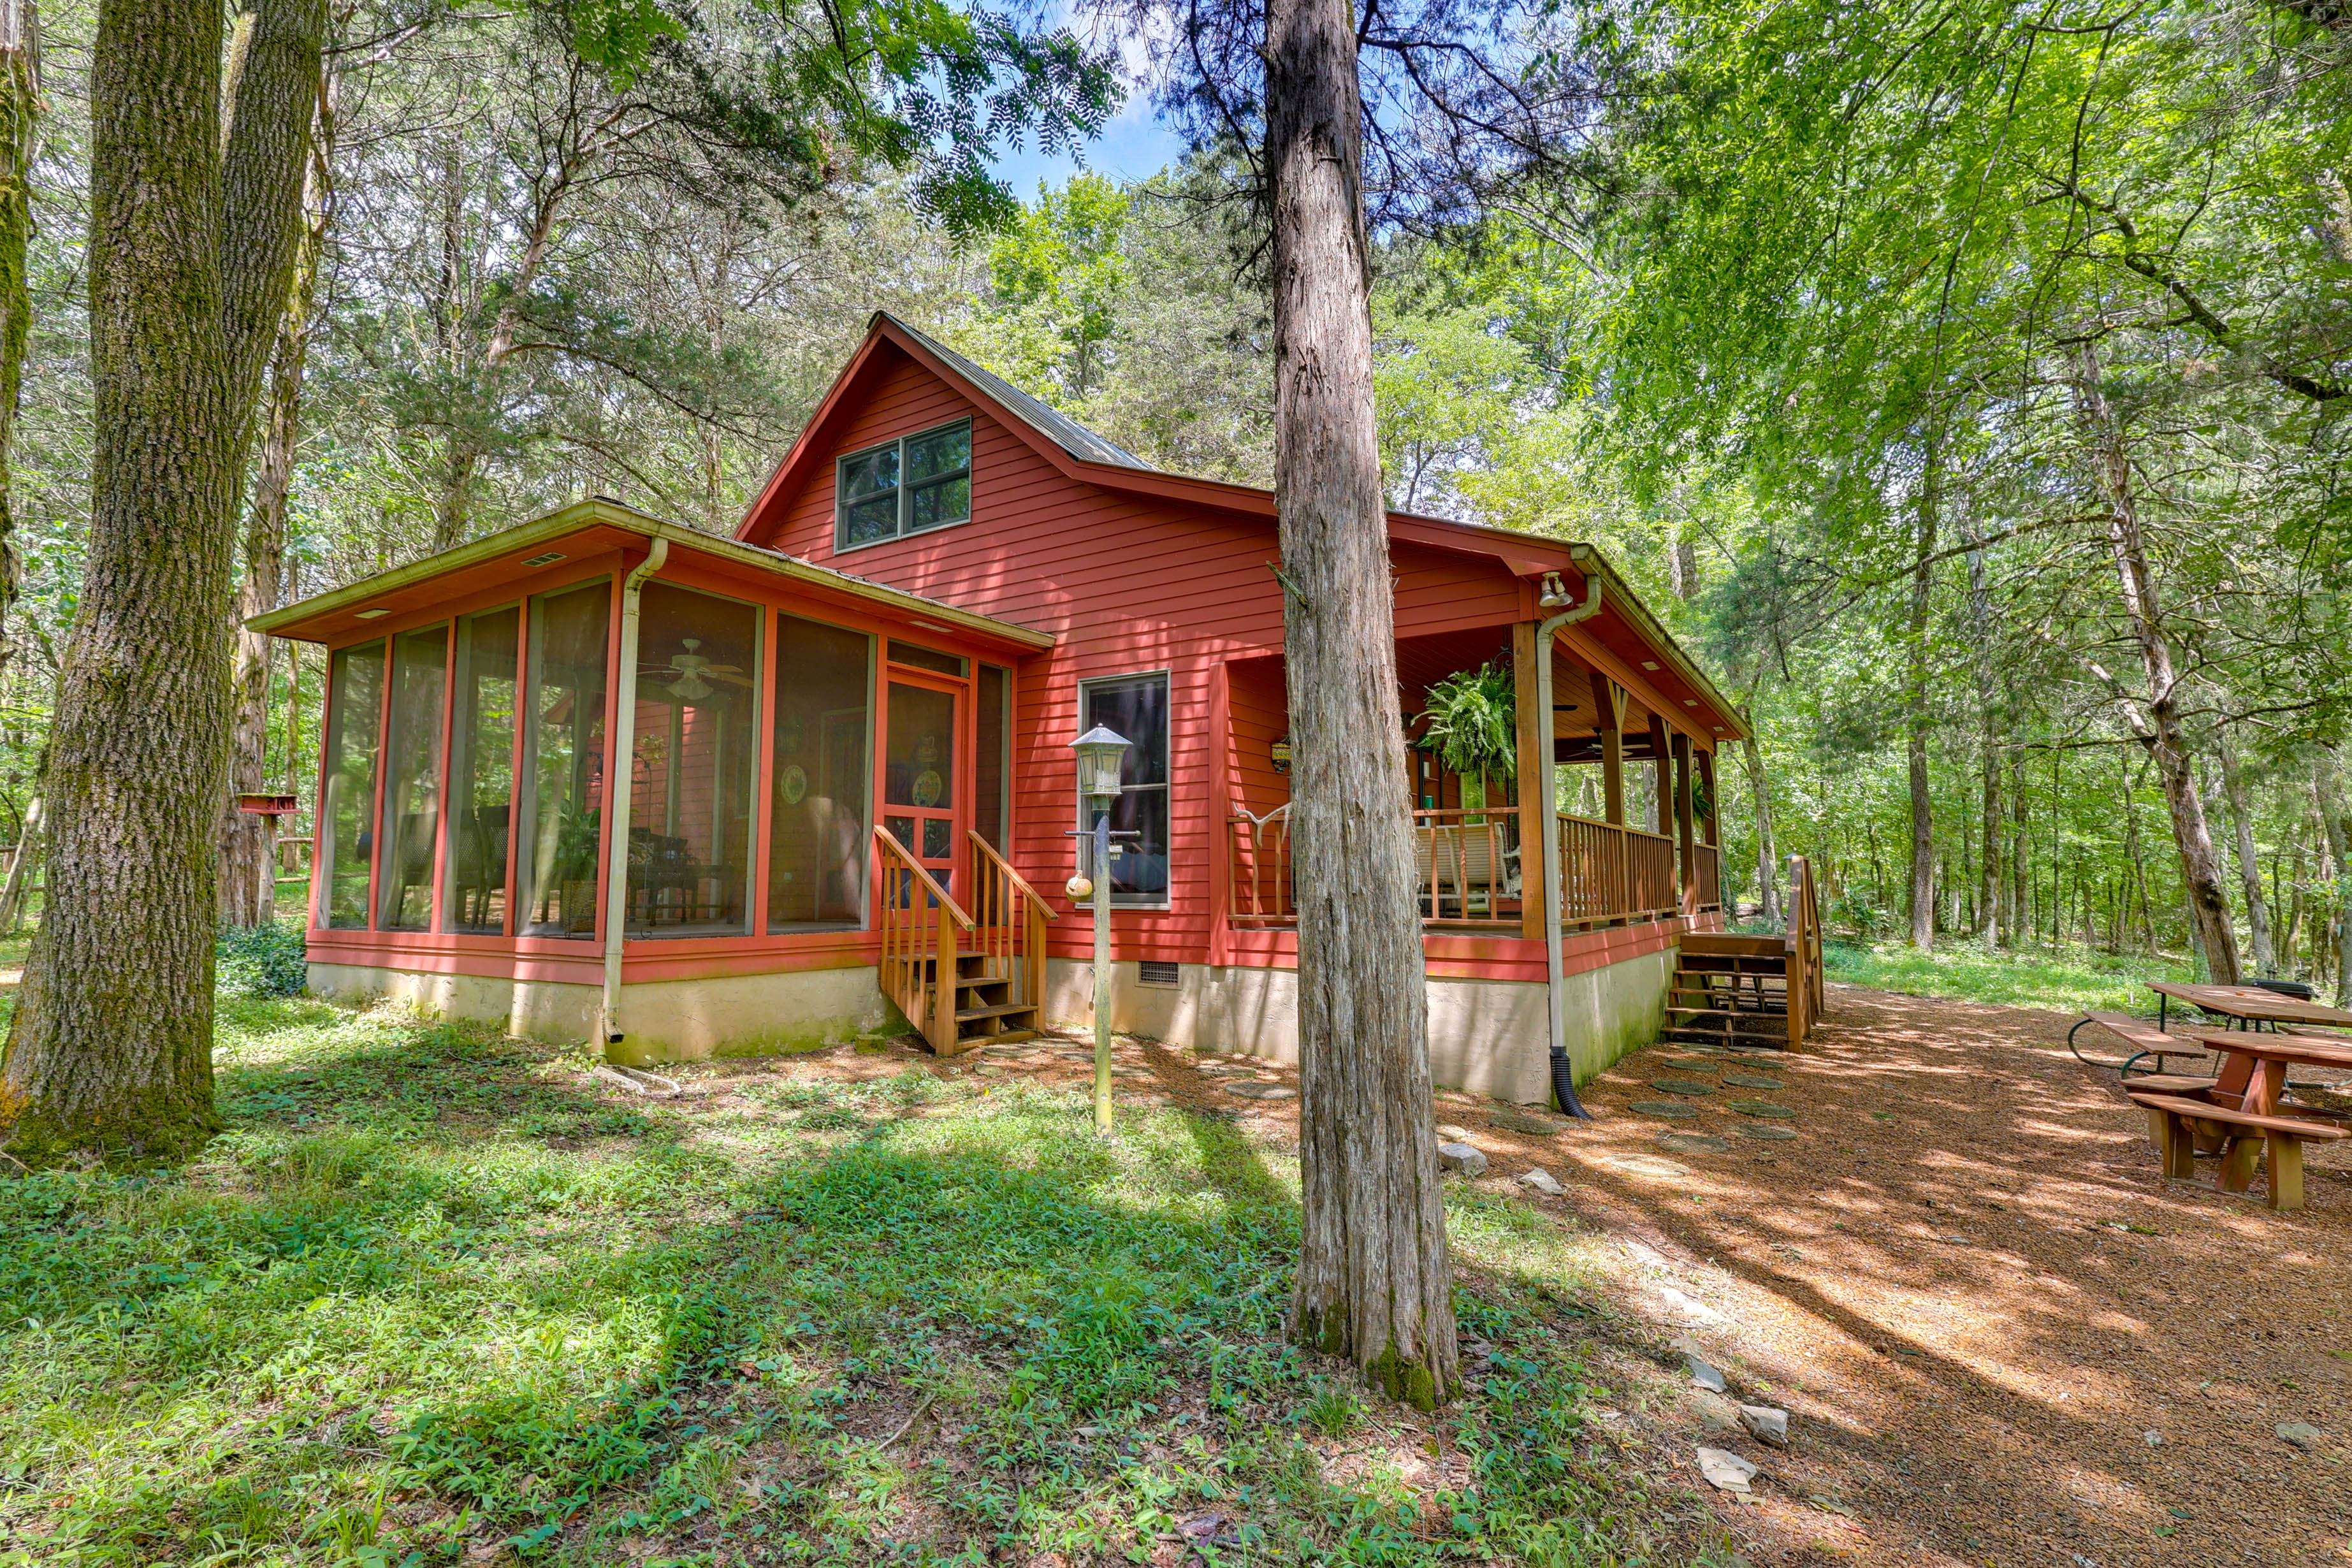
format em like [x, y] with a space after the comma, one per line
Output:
[1374, 1281]
[2156, 721]
[20, 102]
[110, 1051]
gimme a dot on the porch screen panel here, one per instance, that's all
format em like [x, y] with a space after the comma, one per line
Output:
[563, 763]
[819, 814]
[482, 772]
[993, 770]
[411, 779]
[354, 717]
[1136, 707]
[690, 780]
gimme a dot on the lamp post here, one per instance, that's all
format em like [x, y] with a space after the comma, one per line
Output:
[1100, 752]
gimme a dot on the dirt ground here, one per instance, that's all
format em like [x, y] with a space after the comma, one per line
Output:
[2003, 1337]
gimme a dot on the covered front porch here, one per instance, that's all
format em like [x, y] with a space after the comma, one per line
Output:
[1635, 813]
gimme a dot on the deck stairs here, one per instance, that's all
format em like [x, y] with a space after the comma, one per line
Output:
[988, 1004]
[964, 978]
[1752, 992]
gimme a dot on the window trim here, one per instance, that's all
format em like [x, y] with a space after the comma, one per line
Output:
[1166, 675]
[840, 544]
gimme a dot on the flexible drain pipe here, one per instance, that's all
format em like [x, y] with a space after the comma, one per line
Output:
[1563, 1073]
[617, 793]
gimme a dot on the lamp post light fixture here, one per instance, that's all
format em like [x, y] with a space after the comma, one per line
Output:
[1101, 753]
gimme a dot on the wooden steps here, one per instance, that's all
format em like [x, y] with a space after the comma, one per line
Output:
[1730, 990]
[988, 1005]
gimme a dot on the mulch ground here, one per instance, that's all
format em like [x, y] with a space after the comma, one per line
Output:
[2003, 1336]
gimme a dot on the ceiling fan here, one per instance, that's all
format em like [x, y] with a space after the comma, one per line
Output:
[690, 667]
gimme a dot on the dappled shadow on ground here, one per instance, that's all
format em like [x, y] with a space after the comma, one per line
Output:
[2006, 1336]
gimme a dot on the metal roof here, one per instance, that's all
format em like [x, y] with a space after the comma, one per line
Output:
[1046, 420]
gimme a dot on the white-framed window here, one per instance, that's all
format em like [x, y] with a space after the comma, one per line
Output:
[911, 485]
[1136, 707]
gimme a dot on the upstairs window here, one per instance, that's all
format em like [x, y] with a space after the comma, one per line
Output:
[908, 486]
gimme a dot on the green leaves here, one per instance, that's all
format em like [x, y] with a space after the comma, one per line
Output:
[1473, 722]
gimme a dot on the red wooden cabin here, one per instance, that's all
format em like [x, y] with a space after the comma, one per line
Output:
[851, 791]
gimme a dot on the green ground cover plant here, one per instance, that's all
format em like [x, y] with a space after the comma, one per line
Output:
[2072, 980]
[434, 1299]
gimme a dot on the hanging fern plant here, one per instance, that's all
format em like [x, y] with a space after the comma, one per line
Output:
[1474, 727]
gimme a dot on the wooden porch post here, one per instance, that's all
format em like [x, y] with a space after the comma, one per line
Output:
[1665, 774]
[1713, 821]
[1609, 710]
[1682, 748]
[1535, 732]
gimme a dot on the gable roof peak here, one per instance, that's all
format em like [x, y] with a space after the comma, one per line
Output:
[1034, 412]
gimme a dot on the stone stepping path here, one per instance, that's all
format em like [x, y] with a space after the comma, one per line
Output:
[1520, 1122]
[1760, 1108]
[1650, 1164]
[1692, 1143]
[1665, 1108]
[1681, 1086]
[1752, 1080]
[1695, 1064]
[1262, 1090]
[1750, 1129]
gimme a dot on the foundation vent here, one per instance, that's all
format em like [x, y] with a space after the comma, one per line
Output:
[1155, 973]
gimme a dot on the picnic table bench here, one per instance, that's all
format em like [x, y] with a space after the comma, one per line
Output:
[2283, 1140]
[2145, 1041]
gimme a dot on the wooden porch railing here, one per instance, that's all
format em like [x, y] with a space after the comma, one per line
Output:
[922, 931]
[1609, 872]
[1804, 949]
[1468, 866]
[1257, 865]
[1706, 862]
[1009, 920]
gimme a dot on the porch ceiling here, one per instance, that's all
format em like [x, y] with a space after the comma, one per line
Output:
[1423, 662]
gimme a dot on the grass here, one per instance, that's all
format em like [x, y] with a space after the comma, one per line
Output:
[2075, 979]
[434, 1299]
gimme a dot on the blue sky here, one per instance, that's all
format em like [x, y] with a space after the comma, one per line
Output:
[1133, 146]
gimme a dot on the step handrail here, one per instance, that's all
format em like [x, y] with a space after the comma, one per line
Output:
[891, 844]
[1016, 877]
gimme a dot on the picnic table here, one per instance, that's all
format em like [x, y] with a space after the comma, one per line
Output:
[2241, 1105]
[2246, 1004]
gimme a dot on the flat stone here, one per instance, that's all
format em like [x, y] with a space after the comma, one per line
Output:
[1262, 1090]
[1665, 1108]
[1766, 1424]
[1520, 1122]
[1695, 1064]
[1752, 1080]
[1462, 1159]
[1724, 1470]
[1760, 1108]
[1447, 1132]
[1541, 1181]
[1646, 1165]
[1681, 1086]
[1750, 1129]
[1706, 1374]
[1692, 1143]
[2301, 1435]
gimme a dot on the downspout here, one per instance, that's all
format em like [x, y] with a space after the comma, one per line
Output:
[619, 791]
[1563, 1074]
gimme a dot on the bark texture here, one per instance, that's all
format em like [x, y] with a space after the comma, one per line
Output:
[2155, 720]
[20, 103]
[110, 1051]
[1374, 1282]
[2336, 821]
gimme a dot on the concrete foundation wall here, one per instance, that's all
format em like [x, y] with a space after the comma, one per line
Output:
[665, 1020]
[1486, 1036]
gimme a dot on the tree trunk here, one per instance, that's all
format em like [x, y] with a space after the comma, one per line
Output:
[28, 852]
[250, 839]
[2250, 865]
[1922, 904]
[1988, 922]
[2157, 720]
[2335, 817]
[1374, 1281]
[190, 245]
[20, 103]
[1767, 892]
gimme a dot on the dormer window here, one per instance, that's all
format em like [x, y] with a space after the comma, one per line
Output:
[906, 486]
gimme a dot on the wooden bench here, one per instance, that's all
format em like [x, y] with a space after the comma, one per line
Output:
[2146, 1041]
[2283, 1137]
